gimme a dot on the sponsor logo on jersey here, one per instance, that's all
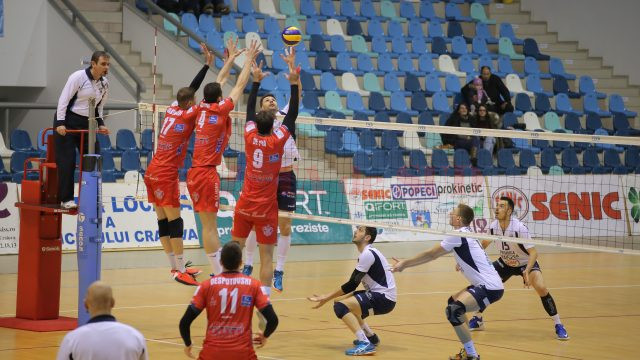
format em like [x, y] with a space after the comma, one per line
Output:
[267, 230]
[159, 194]
[179, 128]
[279, 133]
[195, 197]
[414, 191]
[274, 158]
[250, 126]
[247, 300]
[520, 200]
[213, 119]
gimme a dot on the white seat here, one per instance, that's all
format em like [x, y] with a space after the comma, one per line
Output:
[534, 171]
[445, 64]
[334, 28]
[350, 83]
[225, 173]
[4, 151]
[515, 86]
[411, 141]
[251, 36]
[133, 177]
[531, 121]
[269, 8]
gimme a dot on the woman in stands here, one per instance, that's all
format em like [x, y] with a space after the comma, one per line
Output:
[461, 118]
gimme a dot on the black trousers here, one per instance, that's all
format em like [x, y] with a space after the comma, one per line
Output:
[66, 153]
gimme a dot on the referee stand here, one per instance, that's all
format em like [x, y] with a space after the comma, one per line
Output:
[40, 250]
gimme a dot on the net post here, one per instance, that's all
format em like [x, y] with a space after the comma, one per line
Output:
[92, 126]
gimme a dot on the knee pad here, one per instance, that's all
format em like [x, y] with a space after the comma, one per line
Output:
[340, 309]
[455, 312]
[163, 227]
[176, 228]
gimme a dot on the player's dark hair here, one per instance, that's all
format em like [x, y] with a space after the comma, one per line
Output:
[212, 92]
[372, 232]
[95, 57]
[185, 95]
[266, 96]
[264, 120]
[509, 201]
[231, 256]
[466, 213]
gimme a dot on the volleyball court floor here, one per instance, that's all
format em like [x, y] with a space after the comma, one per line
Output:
[597, 295]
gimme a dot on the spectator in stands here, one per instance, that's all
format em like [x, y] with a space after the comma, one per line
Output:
[493, 86]
[485, 120]
[475, 95]
[194, 6]
[73, 114]
[215, 6]
[102, 337]
[461, 118]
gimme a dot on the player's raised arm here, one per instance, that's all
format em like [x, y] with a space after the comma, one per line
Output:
[243, 78]
[231, 53]
[258, 75]
[208, 60]
[294, 102]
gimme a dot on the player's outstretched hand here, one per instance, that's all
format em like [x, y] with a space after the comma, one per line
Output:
[231, 51]
[254, 49]
[208, 56]
[187, 351]
[256, 71]
[320, 299]
[525, 279]
[398, 266]
[289, 58]
[259, 340]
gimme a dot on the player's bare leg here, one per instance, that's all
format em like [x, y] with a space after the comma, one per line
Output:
[251, 245]
[459, 304]
[536, 280]
[373, 338]
[266, 267]
[284, 243]
[349, 311]
[210, 239]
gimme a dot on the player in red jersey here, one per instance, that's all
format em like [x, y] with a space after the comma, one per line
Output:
[257, 206]
[229, 299]
[212, 131]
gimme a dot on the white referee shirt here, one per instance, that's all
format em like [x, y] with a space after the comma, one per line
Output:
[291, 154]
[82, 85]
[378, 278]
[103, 338]
[473, 260]
[513, 254]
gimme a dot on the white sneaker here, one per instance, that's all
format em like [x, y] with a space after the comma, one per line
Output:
[69, 205]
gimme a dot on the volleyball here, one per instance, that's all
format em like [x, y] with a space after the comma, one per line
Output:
[291, 36]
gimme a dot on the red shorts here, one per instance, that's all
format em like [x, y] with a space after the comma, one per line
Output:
[266, 226]
[204, 188]
[211, 353]
[163, 186]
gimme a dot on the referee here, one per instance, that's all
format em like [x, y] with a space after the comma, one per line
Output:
[72, 114]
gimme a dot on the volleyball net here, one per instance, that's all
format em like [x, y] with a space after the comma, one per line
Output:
[571, 190]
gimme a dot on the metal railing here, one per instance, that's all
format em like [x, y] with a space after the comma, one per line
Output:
[152, 9]
[76, 15]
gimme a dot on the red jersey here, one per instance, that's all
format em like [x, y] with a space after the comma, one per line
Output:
[264, 155]
[213, 129]
[229, 299]
[174, 137]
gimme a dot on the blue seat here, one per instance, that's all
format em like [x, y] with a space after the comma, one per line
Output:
[506, 163]
[440, 103]
[250, 24]
[455, 29]
[479, 48]
[323, 62]
[379, 163]
[439, 46]
[527, 160]
[523, 103]
[328, 82]
[308, 83]
[394, 30]
[612, 159]
[591, 162]
[354, 102]
[317, 44]
[407, 11]
[282, 83]
[344, 64]
[482, 31]
[509, 119]
[348, 9]
[632, 158]
[570, 163]
[542, 104]
[189, 21]
[379, 46]
[392, 84]
[398, 103]
[586, 86]
[385, 64]
[506, 30]
[367, 9]
[419, 46]
[524, 144]
[594, 123]
[366, 141]
[485, 163]
[419, 102]
[146, 142]
[440, 164]
[361, 163]
[228, 23]
[338, 45]
[434, 29]
[530, 48]
[412, 84]
[131, 161]
[461, 159]
[353, 25]
[271, 26]
[547, 160]
[452, 85]
[274, 42]
[206, 23]
[310, 103]
[432, 83]
[396, 165]
[20, 141]
[561, 145]
[365, 65]
[428, 12]
[622, 127]
[425, 118]
[308, 9]
[505, 67]
[600, 146]
[374, 29]
[557, 69]
[109, 172]
[415, 28]
[590, 105]
[459, 48]
[425, 64]
[465, 64]
[104, 142]
[418, 163]
[389, 141]
[399, 47]
[531, 67]
[485, 60]
[534, 84]
[333, 143]
[327, 9]
[17, 167]
[376, 102]
[303, 59]
[453, 12]
[560, 85]
[563, 106]
[616, 106]
[572, 123]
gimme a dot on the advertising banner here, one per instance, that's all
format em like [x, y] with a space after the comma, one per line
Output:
[631, 191]
[417, 202]
[9, 218]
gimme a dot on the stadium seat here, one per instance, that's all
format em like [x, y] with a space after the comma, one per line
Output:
[434, 30]
[366, 141]
[632, 158]
[479, 48]
[534, 171]
[310, 103]
[454, 29]
[350, 83]
[412, 84]
[555, 170]
[428, 12]
[371, 84]
[334, 28]
[520, 144]
[531, 67]
[385, 65]
[601, 146]
[425, 64]
[440, 164]
[505, 47]
[333, 143]
[398, 103]
[21, 142]
[459, 48]
[505, 67]
[478, 14]
[612, 159]
[440, 103]
[367, 9]
[515, 86]
[361, 162]
[17, 167]
[348, 9]
[392, 84]
[407, 11]
[523, 103]
[563, 106]
[509, 120]
[268, 8]
[354, 102]
[376, 102]
[418, 162]
[419, 47]
[388, 11]
[453, 12]
[534, 84]
[616, 106]
[542, 104]
[572, 123]
[547, 160]
[506, 30]
[366, 65]
[465, 65]
[395, 164]
[526, 161]
[250, 24]
[445, 64]
[622, 127]
[399, 47]
[308, 9]
[379, 162]
[461, 159]
[530, 48]
[333, 102]
[591, 162]
[395, 30]
[552, 121]
[586, 86]
[405, 66]
[389, 140]
[288, 8]
[483, 31]
[485, 163]
[556, 68]
[419, 102]
[146, 142]
[506, 164]
[590, 105]
[452, 85]
[594, 123]
[131, 161]
[439, 46]
[414, 28]
[570, 163]
[328, 9]
[560, 85]
[328, 83]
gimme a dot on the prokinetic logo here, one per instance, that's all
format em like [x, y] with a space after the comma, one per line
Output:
[414, 192]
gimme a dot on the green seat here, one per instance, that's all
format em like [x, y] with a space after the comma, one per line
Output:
[556, 170]
[552, 122]
[388, 10]
[169, 27]
[505, 47]
[434, 140]
[230, 35]
[308, 130]
[359, 45]
[371, 84]
[333, 102]
[478, 14]
[288, 8]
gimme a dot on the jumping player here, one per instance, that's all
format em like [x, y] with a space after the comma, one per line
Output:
[229, 299]
[486, 287]
[518, 260]
[257, 206]
[379, 294]
[286, 182]
[212, 132]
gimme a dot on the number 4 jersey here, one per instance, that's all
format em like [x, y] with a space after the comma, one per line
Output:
[213, 129]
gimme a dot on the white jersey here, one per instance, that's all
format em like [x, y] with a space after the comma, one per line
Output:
[104, 339]
[291, 154]
[378, 278]
[513, 254]
[473, 260]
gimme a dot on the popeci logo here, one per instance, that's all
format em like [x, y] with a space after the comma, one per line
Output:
[520, 201]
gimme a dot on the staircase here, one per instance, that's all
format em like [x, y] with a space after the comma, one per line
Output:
[106, 17]
[576, 60]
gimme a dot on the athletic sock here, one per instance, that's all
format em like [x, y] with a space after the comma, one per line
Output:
[214, 260]
[172, 261]
[180, 263]
[556, 319]
[470, 349]
[367, 330]
[284, 242]
[361, 336]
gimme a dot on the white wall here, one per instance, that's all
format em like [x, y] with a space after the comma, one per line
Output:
[23, 46]
[608, 29]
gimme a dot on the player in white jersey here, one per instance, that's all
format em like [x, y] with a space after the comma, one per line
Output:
[518, 260]
[486, 287]
[373, 271]
[286, 187]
